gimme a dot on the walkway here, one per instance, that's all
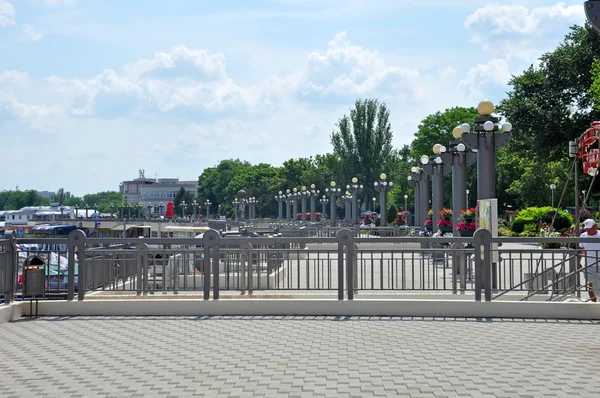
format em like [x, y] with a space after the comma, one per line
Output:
[297, 356]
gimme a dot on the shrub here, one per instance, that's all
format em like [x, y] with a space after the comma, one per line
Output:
[529, 219]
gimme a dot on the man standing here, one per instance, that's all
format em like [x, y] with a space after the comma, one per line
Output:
[591, 253]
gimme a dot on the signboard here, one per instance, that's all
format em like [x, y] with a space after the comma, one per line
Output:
[487, 218]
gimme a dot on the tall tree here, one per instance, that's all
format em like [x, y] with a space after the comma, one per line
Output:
[363, 142]
[548, 106]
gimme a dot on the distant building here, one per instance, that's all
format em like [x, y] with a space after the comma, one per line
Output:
[37, 213]
[152, 192]
[46, 194]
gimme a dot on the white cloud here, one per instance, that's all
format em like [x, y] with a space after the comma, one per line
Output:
[518, 30]
[350, 70]
[31, 34]
[447, 73]
[7, 14]
[57, 3]
[33, 111]
[494, 73]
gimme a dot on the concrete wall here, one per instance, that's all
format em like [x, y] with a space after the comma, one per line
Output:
[421, 308]
[9, 313]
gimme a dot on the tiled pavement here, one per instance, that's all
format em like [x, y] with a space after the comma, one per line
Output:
[297, 356]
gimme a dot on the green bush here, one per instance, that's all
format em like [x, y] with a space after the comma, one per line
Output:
[529, 219]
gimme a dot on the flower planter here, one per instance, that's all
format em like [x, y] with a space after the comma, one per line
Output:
[466, 233]
[468, 218]
[445, 229]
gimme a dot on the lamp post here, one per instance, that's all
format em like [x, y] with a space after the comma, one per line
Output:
[552, 188]
[467, 192]
[161, 209]
[436, 169]
[77, 212]
[207, 203]
[195, 208]
[405, 203]
[295, 195]
[182, 204]
[414, 181]
[314, 193]
[280, 198]
[138, 207]
[333, 193]
[241, 194]
[304, 195]
[383, 187]
[323, 201]
[355, 189]
[459, 159]
[85, 206]
[288, 205]
[347, 197]
[149, 207]
[486, 140]
[122, 208]
[236, 204]
[112, 210]
[422, 180]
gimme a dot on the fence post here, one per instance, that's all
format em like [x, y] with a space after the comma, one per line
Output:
[82, 268]
[483, 266]
[141, 267]
[345, 239]
[74, 238]
[11, 267]
[246, 266]
[210, 239]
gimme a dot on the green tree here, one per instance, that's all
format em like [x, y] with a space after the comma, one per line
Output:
[437, 129]
[363, 142]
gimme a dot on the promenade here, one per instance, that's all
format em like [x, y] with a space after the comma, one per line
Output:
[297, 356]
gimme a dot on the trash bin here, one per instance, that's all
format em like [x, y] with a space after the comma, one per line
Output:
[34, 277]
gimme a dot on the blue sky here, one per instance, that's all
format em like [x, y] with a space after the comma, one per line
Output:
[91, 91]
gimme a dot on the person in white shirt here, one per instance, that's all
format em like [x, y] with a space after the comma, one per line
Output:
[591, 253]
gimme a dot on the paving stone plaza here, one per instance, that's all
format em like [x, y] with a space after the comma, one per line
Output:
[297, 357]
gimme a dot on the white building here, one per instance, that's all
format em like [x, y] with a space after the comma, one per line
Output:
[152, 192]
[37, 213]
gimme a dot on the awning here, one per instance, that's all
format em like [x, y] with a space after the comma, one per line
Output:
[128, 227]
[120, 227]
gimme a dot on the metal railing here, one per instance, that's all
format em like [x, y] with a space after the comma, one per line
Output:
[309, 262]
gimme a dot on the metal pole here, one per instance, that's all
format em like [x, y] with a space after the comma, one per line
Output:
[425, 195]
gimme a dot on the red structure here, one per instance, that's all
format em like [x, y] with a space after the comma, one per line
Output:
[169, 213]
[587, 149]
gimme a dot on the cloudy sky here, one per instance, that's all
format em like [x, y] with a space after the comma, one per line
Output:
[92, 91]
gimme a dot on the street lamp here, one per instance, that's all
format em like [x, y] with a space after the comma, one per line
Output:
[467, 199]
[280, 198]
[459, 158]
[355, 190]
[149, 206]
[435, 167]
[304, 194]
[314, 193]
[333, 192]
[383, 187]
[552, 188]
[183, 209]
[405, 203]
[420, 181]
[486, 139]
[236, 205]
[288, 204]
[295, 195]
[207, 203]
[347, 198]
[324, 201]
[195, 207]
[112, 209]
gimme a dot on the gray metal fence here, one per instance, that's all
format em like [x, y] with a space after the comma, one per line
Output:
[349, 264]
